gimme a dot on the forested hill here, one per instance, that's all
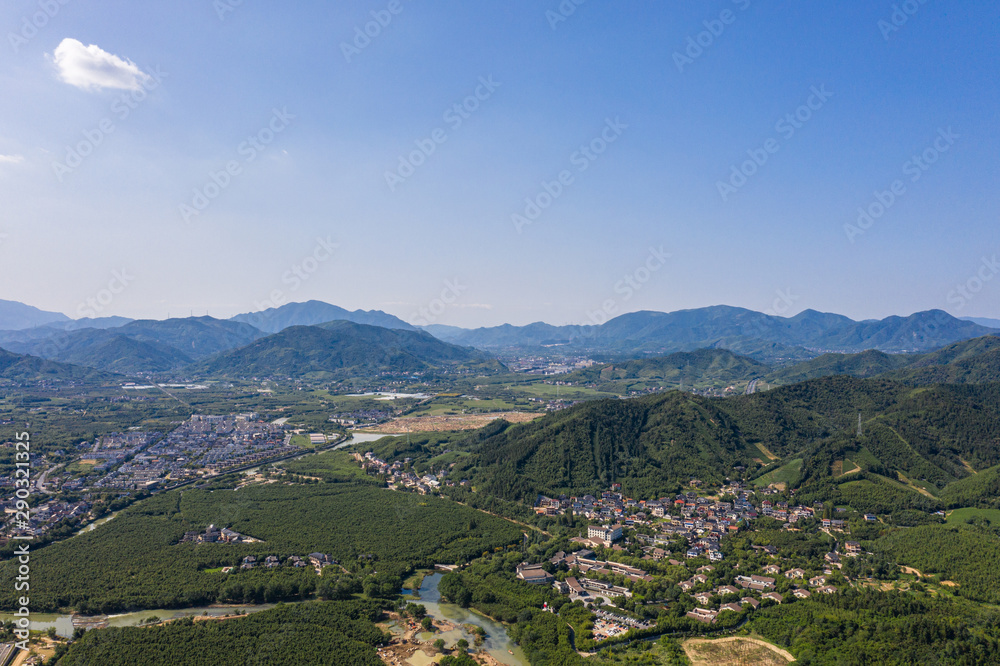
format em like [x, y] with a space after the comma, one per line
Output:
[22, 368]
[714, 366]
[656, 444]
[969, 362]
[343, 348]
[647, 444]
[863, 364]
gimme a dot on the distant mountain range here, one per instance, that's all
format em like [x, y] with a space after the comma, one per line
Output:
[138, 346]
[762, 336]
[122, 345]
[14, 316]
[232, 348]
[983, 321]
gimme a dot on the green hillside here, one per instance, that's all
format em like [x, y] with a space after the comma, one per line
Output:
[864, 364]
[915, 442]
[711, 367]
[18, 368]
[970, 362]
[343, 349]
[649, 445]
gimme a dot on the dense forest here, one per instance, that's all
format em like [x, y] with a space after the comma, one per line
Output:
[650, 445]
[967, 555]
[860, 627]
[136, 561]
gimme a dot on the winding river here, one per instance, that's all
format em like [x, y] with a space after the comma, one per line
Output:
[497, 642]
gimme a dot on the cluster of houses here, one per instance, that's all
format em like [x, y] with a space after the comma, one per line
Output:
[587, 562]
[215, 535]
[202, 445]
[701, 522]
[609, 625]
[105, 454]
[763, 586]
[363, 417]
[317, 560]
[585, 587]
[41, 517]
[398, 477]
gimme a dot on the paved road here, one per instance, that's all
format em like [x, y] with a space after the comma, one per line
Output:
[40, 481]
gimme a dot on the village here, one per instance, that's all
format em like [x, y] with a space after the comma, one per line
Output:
[686, 532]
[693, 527]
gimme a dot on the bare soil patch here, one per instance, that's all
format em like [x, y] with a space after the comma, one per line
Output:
[734, 651]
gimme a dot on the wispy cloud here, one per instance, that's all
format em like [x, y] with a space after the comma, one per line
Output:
[11, 159]
[93, 68]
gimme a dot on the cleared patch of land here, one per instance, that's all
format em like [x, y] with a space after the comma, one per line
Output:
[446, 423]
[734, 651]
[959, 516]
[766, 451]
[783, 475]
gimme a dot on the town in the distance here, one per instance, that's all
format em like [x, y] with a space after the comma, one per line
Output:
[814, 490]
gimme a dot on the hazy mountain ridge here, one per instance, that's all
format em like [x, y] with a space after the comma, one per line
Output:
[16, 316]
[686, 330]
[312, 313]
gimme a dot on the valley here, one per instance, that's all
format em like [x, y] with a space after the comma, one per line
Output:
[597, 510]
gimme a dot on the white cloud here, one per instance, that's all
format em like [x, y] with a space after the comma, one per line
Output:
[11, 159]
[93, 68]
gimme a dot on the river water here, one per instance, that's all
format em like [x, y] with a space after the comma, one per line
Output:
[100, 521]
[497, 642]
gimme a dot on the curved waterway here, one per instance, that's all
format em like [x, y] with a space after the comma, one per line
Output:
[497, 643]
[100, 521]
[362, 437]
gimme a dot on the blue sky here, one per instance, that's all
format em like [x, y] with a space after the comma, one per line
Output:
[313, 214]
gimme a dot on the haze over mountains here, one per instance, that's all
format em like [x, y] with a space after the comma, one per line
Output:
[274, 342]
[732, 328]
[310, 313]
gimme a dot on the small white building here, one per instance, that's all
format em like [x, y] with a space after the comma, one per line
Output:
[604, 532]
